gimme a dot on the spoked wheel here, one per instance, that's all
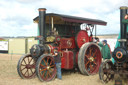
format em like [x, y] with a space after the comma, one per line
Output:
[89, 58]
[26, 67]
[105, 72]
[45, 68]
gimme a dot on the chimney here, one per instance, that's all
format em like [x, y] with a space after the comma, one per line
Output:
[123, 30]
[42, 12]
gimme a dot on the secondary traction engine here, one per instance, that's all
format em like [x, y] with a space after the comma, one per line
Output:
[120, 54]
[75, 46]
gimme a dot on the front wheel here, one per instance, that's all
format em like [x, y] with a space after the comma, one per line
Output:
[26, 67]
[106, 71]
[45, 68]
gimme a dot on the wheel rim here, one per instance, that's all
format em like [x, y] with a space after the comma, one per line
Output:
[47, 68]
[27, 67]
[92, 59]
[105, 73]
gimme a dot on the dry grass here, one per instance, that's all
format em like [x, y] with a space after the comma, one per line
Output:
[9, 76]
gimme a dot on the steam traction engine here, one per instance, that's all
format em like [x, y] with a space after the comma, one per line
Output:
[120, 55]
[75, 46]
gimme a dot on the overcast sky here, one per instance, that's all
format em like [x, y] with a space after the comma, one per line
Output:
[16, 16]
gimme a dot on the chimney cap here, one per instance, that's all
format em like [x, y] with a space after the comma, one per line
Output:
[42, 9]
[123, 7]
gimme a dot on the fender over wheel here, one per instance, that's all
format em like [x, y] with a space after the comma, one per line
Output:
[89, 58]
[45, 68]
[106, 71]
[26, 67]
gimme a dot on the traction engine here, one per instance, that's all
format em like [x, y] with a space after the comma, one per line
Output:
[119, 67]
[75, 46]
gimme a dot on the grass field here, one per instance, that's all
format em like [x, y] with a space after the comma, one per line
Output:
[9, 75]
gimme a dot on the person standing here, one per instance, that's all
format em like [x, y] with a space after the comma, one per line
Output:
[105, 50]
[57, 59]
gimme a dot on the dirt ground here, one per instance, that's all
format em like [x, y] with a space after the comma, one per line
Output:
[9, 75]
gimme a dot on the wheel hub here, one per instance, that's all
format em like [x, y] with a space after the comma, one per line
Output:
[28, 66]
[48, 67]
[91, 59]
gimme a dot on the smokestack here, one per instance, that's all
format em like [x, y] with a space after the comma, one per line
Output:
[42, 12]
[123, 30]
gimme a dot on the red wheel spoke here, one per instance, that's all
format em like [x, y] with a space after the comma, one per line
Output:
[86, 64]
[51, 70]
[90, 51]
[95, 57]
[87, 56]
[94, 62]
[91, 68]
[31, 71]
[94, 53]
[49, 73]
[43, 69]
[51, 62]
[26, 72]
[23, 65]
[24, 61]
[43, 73]
[52, 65]
[45, 62]
[42, 65]
[30, 60]
[23, 68]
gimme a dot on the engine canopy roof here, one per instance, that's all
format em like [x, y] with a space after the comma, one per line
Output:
[61, 19]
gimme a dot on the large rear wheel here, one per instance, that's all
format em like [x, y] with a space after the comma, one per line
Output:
[45, 68]
[89, 58]
[26, 67]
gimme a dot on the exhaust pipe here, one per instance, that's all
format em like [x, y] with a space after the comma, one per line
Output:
[41, 24]
[123, 30]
